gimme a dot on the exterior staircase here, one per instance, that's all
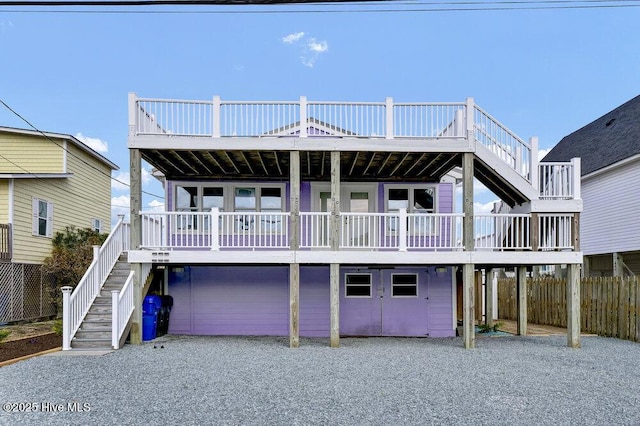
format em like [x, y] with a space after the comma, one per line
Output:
[95, 332]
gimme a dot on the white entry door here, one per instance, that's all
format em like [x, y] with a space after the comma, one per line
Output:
[356, 230]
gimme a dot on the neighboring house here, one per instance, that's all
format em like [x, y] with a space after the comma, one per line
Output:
[610, 224]
[48, 181]
[337, 219]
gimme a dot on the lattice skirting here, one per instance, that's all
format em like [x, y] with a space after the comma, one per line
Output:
[25, 293]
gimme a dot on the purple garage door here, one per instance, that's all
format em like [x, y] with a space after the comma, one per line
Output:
[229, 300]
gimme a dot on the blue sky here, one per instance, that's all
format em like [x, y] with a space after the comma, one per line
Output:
[542, 73]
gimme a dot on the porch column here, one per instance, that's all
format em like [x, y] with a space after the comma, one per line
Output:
[573, 305]
[488, 293]
[521, 296]
[334, 288]
[468, 297]
[468, 321]
[135, 201]
[294, 243]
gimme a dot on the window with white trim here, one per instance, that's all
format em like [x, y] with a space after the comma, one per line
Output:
[42, 212]
[96, 224]
[357, 285]
[416, 199]
[404, 285]
[258, 199]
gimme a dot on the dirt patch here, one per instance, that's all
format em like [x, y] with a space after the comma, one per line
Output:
[29, 345]
[32, 329]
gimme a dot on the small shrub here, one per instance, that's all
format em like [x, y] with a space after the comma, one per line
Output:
[484, 328]
[57, 327]
[4, 334]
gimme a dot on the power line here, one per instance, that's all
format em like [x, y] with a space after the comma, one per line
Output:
[430, 6]
[70, 152]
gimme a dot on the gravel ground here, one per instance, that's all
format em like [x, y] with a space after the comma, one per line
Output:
[390, 381]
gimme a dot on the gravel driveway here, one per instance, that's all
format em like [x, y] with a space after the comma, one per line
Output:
[390, 381]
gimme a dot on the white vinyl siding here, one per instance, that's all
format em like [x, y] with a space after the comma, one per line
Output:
[610, 221]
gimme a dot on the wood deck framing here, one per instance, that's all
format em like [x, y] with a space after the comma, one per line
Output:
[338, 143]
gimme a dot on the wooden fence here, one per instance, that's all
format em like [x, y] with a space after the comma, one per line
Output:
[609, 306]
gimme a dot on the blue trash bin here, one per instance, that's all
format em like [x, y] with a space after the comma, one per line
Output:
[150, 308]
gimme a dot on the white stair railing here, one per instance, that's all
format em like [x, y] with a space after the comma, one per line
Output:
[121, 310]
[76, 304]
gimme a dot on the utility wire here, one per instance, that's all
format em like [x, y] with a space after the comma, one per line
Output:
[70, 152]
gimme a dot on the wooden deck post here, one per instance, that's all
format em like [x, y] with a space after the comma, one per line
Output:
[334, 285]
[478, 295]
[468, 289]
[468, 321]
[488, 292]
[135, 199]
[294, 243]
[521, 291]
[573, 305]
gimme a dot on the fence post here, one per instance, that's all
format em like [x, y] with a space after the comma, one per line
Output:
[402, 228]
[303, 117]
[215, 117]
[534, 163]
[389, 118]
[471, 109]
[66, 318]
[215, 229]
[115, 319]
[577, 183]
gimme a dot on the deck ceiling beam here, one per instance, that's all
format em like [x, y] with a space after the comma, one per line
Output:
[370, 163]
[244, 157]
[384, 163]
[395, 169]
[167, 163]
[353, 163]
[233, 164]
[209, 156]
[415, 163]
[430, 164]
[182, 161]
[445, 166]
[264, 167]
[195, 157]
[275, 154]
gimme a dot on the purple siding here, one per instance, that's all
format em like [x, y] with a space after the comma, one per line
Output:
[248, 300]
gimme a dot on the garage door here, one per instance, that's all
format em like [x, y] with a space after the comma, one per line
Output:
[229, 300]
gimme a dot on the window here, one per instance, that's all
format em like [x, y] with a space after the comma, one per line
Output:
[416, 199]
[357, 285]
[259, 199]
[42, 218]
[404, 285]
[96, 224]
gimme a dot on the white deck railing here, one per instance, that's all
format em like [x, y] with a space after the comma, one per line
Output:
[218, 118]
[121, 310]
[364, 231]
[560, 180]
[76, 304]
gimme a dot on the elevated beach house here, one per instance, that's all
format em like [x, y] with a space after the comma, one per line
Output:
[329, 219]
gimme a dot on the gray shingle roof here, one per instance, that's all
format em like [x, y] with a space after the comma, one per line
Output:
[611, 138]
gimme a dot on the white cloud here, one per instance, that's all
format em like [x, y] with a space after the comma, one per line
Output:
[93, 143]
[542, 153]
[156, 206]
[293, 37]
[480, 208]
[317, 47]
[310, 48]
[122, 180]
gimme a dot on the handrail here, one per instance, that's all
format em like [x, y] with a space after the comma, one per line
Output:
[121, 310]
[88, 288]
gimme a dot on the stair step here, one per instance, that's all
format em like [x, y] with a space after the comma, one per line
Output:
[91, 344]
[93, 334]
[102, 326]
